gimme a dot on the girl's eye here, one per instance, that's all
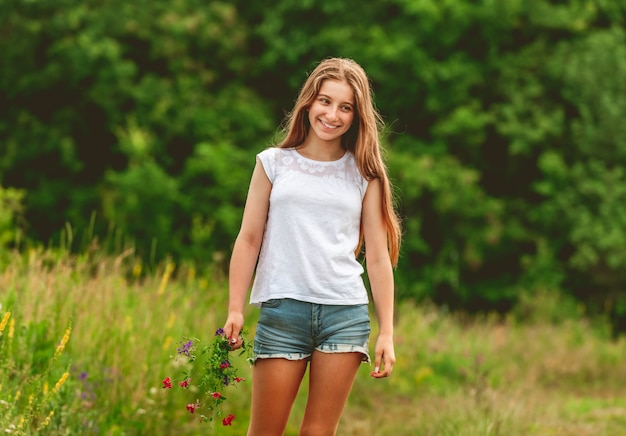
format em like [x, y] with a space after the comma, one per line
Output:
[346, 108]
[324, 100]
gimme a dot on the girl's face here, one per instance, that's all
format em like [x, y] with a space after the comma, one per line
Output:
[332, 111]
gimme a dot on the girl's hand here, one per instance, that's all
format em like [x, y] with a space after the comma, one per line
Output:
[385, 357]
[232, 329]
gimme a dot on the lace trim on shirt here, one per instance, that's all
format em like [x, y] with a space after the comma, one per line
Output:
[344, 168]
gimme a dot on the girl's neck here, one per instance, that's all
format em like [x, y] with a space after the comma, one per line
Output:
[321, 151]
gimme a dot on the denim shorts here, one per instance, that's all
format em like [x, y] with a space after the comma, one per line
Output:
[292, 329]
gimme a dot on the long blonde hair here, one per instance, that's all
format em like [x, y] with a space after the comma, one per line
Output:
[362, 139]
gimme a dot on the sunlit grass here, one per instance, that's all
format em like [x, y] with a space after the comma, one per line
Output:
[493, 376]
[112, 329]
[27, 365]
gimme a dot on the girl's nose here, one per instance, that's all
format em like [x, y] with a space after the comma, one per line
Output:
[332, 112]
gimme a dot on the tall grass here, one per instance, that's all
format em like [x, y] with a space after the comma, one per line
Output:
[544, 370]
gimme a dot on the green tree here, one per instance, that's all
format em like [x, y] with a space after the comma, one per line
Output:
[104, 104]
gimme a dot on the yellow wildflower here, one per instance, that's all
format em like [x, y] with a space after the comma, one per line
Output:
[60, 382]
[46, 421]
[169, 268]
[137, 269]
[171, 320]
[61, 346]
[4, 321]
[167, 342]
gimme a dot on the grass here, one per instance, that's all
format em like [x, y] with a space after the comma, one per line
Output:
[543, 370]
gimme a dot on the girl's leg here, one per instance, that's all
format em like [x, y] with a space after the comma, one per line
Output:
[275, 384]
[331, 378]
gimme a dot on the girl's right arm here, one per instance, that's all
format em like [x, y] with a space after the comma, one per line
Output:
[246, 251]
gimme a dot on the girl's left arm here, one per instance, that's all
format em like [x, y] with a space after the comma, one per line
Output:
[380, 273]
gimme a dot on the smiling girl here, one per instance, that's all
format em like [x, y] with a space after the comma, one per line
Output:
[313, 201]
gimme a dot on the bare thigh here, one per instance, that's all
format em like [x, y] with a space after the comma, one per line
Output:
[331, 378]
[275, 384]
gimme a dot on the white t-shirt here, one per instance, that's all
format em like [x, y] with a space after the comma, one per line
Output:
[312, 230]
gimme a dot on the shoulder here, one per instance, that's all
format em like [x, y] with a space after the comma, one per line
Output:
[274, 159]
[275, 153]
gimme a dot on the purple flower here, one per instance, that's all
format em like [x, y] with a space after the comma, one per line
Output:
[226, 380]
[185, 348]
[219, 332]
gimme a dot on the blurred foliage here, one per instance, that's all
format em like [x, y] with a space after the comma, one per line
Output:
[105, 105]
[505, 137]
[11, 210]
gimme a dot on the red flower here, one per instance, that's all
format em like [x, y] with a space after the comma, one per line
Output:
[228, 420]
[167, 383]
[216, 395]
[191, 407]
[184, 383]
[239, 379]
[225, 364]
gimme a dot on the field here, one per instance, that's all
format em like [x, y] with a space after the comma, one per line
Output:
[87, 340]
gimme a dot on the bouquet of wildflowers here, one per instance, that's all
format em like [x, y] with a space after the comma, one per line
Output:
[216, 373]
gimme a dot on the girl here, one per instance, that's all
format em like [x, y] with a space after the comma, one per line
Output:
[313, 200]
